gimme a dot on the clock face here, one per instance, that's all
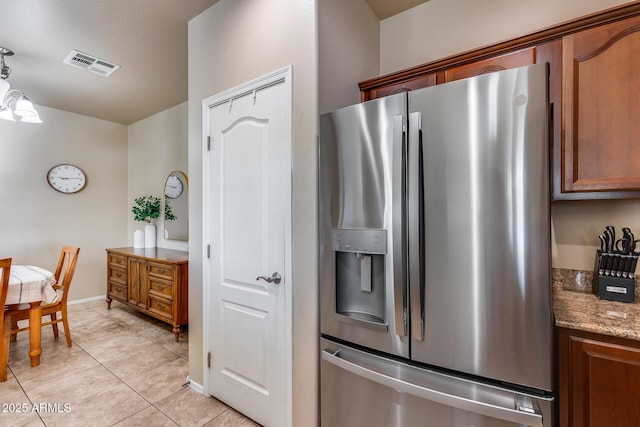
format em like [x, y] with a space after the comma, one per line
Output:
[173, 187]
[66, 178]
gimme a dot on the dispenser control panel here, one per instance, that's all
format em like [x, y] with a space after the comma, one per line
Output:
[359, 241]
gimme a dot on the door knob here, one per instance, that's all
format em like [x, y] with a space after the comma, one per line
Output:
[275, 278]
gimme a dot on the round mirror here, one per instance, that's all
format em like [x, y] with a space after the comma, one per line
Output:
[176, 207]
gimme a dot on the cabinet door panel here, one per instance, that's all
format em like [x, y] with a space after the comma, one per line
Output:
[138, 283]
[604, 383]
[490, 65]
[405, 86]
[601, 83]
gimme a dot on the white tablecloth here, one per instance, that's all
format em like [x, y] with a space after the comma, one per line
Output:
[28, 283]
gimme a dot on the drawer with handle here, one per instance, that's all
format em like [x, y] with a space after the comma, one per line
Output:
[161, 287]
[118, 292]
[161, 307]
[161, 271]
[118, 275]
[117, 261]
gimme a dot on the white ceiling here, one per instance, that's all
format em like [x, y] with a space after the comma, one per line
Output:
[386, 8]
[147, 38]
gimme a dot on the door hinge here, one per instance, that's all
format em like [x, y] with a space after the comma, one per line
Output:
[208, 251]
[208, 143]
[209, 360]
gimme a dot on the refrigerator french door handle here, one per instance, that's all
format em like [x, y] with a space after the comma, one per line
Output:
[399, 221]
[415, 189]
[523, 413]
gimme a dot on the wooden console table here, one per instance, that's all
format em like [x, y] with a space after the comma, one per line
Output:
[153, 281]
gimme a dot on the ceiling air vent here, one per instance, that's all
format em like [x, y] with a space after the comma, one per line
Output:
[90, 63]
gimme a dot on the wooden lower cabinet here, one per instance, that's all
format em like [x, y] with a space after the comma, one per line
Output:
[153, 281]
[599, 380]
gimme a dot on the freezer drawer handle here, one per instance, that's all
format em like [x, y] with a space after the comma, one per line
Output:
[499, 412]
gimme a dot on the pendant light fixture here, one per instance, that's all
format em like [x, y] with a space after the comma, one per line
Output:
[13, 102]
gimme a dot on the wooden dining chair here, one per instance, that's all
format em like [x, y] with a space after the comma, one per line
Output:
[63, 275]
[5, 265]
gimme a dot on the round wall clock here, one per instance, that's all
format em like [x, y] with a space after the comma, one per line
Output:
[66, 178]
[173, 187]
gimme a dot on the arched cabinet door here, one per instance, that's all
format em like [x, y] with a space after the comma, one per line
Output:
[601, 110]
[507, 61]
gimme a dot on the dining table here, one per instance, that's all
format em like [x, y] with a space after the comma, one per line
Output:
[32, 285]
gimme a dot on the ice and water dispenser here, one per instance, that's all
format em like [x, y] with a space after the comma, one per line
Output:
[359, 274]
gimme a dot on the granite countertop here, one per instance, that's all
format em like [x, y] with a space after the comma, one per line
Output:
[575, 307]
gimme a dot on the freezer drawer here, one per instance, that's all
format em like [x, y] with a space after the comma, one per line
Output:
[364, 390]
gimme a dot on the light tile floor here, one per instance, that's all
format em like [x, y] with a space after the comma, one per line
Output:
[124, 369]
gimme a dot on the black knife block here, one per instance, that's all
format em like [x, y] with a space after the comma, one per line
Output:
[610, 286]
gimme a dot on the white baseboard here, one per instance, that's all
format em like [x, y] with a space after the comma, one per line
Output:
[80, 301]
[196, 387]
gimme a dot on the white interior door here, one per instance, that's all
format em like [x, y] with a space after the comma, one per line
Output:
[247, 221]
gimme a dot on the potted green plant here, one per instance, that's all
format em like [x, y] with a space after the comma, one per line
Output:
[146, 209]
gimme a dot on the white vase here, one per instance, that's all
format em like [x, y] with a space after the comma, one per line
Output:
[138, 239]
[149, 236]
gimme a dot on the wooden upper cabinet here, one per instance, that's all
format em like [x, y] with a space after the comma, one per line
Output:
[601, 109]
[403, 86]
[498, 63]
[594, 92]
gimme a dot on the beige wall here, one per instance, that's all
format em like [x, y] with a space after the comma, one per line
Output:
[576, 225]
[36, 220]
[120, 162]
[157, 146]
[233, 42]
[348, 51]
[441, 28]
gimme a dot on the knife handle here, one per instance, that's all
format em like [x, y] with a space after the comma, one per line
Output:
[615, 268]
[624, 266]
[609, 264]
[602, 263]
[632, 270]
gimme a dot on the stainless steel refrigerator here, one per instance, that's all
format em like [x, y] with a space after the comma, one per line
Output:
[434, 251]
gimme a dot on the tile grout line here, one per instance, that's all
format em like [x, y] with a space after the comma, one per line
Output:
[151, 404]
[25, 392]
[154, 404]
[121, 380]
[131, 328]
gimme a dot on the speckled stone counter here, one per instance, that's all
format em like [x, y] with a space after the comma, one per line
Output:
[575, 307]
